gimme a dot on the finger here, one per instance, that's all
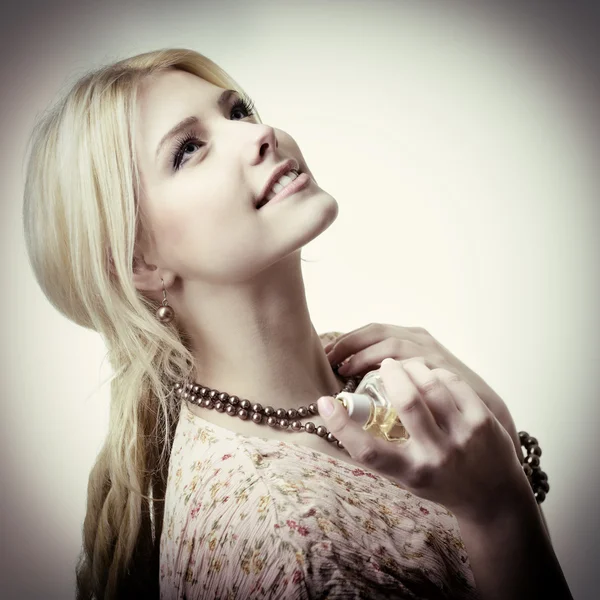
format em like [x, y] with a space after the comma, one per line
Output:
[353, 332]
[372, 356]
[413, 412]
[333, 335]
[448, 377]
[377, 453]
[465, 397]
[354, 341]
[436, 395]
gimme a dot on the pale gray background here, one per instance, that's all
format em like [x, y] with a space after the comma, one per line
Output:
[461, 142]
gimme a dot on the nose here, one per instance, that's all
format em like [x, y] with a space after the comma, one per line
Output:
[264, 142]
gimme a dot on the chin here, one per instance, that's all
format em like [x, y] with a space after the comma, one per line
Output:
[324, 215]
[330, 211]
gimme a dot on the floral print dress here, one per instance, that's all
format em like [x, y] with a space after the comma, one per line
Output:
[247, 517]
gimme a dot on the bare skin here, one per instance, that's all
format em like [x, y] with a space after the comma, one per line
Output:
[460, 456]
[250, 429]
[237, 288]
[232, 272]
[233, 275]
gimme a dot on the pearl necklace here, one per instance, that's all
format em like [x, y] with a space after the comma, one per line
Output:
[206, 397]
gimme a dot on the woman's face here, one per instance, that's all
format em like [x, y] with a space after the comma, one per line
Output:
[200, 186]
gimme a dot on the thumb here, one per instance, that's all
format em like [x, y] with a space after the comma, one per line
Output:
[352, 436]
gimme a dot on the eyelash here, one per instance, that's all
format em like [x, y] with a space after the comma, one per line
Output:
[243, 103]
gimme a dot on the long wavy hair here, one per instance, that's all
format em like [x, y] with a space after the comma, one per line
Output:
[81, 223]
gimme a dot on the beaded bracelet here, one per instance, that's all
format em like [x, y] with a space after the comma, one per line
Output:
[531, 465]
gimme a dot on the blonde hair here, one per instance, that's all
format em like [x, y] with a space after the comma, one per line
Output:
[80, 214]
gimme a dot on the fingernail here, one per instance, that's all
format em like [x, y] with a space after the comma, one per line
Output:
[325, 405]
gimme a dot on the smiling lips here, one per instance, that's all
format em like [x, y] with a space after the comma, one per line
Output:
[279, 185]
[298, 184]
[281, 169]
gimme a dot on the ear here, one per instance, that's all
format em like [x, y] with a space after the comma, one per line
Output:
[146, 278]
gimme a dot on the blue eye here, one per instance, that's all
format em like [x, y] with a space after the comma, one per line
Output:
[180, 145]
[243, 103]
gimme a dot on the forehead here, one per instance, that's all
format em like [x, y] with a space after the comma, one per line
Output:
[172, 84]
[165, 98]
[166, 94]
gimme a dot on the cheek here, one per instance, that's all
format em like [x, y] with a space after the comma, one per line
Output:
[184, 212]
[169, 227]
[214, 234]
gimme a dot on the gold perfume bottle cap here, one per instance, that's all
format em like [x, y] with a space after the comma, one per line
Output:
[357, 405]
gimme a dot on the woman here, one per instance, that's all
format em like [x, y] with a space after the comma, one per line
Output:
[153, 216]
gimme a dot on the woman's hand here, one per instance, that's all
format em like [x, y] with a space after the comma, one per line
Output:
[457, 455]
[371, 344]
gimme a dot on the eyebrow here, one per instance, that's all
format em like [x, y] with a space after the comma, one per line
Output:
[184, 123]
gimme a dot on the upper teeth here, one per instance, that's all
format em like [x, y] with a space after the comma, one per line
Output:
[280, 184]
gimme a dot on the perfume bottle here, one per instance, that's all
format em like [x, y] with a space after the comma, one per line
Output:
[370, 407]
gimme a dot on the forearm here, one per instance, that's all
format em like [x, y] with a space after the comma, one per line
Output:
[511, 556]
